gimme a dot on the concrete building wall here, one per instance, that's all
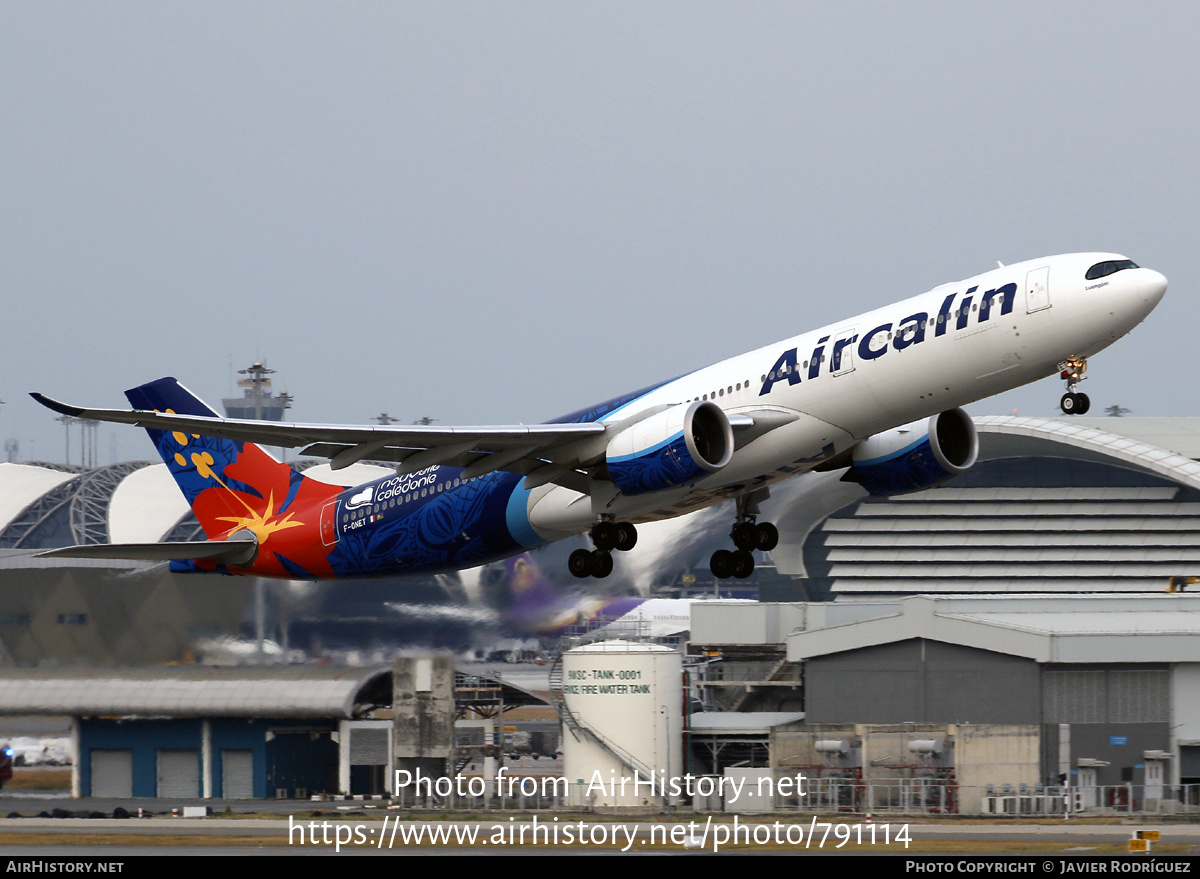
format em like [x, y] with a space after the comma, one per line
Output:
[997, 755]
[793, 746]
[424, 713]
[967, 758]
[886, 751]
[736, 624]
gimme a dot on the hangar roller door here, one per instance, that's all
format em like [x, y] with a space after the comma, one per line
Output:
[178, 773]
[368, 761]
[112, 773]
[1189, 773]
[237, 775]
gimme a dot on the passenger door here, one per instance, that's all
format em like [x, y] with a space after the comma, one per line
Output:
[1037, 290]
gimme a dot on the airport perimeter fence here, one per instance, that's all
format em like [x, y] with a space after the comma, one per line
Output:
[928, 796]
[889, 796]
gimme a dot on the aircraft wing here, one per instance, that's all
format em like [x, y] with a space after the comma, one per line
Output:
[542, 452]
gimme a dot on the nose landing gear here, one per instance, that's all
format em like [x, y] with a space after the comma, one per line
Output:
[606, 535]
[1074, 371]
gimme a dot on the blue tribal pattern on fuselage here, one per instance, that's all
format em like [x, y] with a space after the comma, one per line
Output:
[433, 521]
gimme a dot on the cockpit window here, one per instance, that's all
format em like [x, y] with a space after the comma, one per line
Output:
[1100, 269]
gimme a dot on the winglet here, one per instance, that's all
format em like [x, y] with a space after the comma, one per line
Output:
[61, 408]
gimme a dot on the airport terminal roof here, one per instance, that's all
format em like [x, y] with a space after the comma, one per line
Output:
[46, 505]
[145, 505]
[1049, 629]
[22, 484]
[1108, 440]
[1179, 434]
[1065, 505]
[195, 691]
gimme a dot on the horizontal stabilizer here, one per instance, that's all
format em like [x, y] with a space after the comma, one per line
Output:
[234, 552]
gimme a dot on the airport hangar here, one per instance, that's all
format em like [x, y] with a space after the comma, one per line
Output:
[1027, 595]
[1071, 506]
[254, 732]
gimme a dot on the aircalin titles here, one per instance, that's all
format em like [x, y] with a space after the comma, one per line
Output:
[874, 344]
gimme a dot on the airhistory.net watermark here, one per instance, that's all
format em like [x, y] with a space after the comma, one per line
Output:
[393, 832]
[615, 786]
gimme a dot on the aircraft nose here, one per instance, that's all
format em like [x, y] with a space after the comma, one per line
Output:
[1152, 286]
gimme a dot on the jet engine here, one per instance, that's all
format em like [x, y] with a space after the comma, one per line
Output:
[674, 447]
[917, 456]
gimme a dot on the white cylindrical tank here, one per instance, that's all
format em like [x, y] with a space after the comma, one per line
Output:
[925, 746]
[630, 696]
[832, 746]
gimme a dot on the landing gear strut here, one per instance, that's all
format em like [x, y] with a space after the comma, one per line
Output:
[1074, 371]
[606, 535]
[747, 535]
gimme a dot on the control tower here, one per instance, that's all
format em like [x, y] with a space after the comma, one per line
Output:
[257, 401]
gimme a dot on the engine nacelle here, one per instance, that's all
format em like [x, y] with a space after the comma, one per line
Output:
[672, 448]
[916, 456]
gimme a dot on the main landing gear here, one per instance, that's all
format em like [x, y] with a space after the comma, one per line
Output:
[747, 535]
[606, 535]
[1074, 371]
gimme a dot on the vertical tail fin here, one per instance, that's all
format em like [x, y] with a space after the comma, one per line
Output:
[229, 485]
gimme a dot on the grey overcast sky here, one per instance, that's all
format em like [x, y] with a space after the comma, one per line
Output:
[500, 212]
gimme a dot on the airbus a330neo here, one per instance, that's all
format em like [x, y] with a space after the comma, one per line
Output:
[876, 394]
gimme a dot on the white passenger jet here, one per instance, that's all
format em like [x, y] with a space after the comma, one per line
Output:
[877, 394]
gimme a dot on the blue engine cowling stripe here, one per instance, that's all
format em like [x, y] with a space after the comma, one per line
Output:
[891, 456]
[916, 471]
[633, 456]
[516, 516]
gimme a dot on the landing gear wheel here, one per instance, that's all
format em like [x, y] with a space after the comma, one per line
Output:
[580, 563]
[743, 564]
[605, 534]
[626, 536]
[768, 536]
[721, 564]
[1073, 371]
[602, 564]
[745, 535]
